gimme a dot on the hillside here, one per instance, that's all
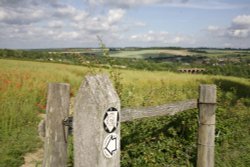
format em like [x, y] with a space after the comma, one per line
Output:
[147, 142]
[227, 62]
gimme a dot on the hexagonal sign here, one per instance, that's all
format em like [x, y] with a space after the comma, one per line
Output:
[111, 120]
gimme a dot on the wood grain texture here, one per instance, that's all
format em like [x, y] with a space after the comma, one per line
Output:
[166, 109]
[95, 96]
[206, 130]
[55, 148]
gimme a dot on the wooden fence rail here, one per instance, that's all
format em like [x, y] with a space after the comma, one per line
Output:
[130, 114]
[96, 125]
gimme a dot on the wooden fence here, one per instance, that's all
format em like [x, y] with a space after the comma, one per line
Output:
[96, 123]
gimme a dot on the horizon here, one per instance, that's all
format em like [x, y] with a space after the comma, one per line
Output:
[51, 24]
[136, 47]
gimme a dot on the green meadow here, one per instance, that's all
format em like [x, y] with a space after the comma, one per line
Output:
[152, 142]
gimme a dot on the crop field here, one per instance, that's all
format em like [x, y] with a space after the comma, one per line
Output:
[224, 53]
[141, 53]
[23, 90]
[147, 53]
[164, 53]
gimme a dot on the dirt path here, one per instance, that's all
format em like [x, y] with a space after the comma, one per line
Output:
[33, 159]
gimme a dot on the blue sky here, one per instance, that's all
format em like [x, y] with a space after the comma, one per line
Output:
[144, 23]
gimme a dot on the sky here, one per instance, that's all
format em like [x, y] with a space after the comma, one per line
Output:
[27, 24]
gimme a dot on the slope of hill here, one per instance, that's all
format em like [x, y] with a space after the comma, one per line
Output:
[148, 142]
[147, 53]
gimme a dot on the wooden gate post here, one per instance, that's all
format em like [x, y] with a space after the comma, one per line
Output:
[206, 131]
[97, 124]
[55, 147]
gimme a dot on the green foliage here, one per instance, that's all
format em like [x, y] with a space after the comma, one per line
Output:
[153, 142]
[17, 124]
[163, 141]
[238, 70]
[232, 142]
[171, 141]
[70, 151]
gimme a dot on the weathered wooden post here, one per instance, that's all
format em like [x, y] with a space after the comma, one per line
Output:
[206, 131]
[55, 147]
[96, 124]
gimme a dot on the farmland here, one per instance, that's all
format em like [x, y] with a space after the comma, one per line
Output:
[147, 142]
[148, 53]
[227, 62]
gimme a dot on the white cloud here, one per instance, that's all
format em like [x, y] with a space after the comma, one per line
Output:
[206, 5]
[43, 22]
[151, 36]
[67, 35]
[115, 15]
[70, 13]
[3, 14]
[80, 16]
[217, 31]
[101, 24]
[65, 11]
[120, 2]
[194, 4]
[179, 39]
[212, 28]
[242, 20]
[240, 33]
[26, 3]
[55, 24]
[161, 38]
[239, 28]
[21, 15]
[128, 3]
[228, 45]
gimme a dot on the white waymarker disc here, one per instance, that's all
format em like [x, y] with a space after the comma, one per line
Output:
[111, 145]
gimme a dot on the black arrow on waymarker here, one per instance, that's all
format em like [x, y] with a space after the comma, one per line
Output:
[111, 149]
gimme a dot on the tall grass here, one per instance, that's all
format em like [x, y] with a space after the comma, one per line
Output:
[23, 89]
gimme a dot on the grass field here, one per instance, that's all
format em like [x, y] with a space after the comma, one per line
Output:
[224, 53]
[144, 54]
[22, 97]
[23, 89]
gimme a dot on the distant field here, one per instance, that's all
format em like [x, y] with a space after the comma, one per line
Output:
[154, 53]
[225, 53]
[161, 53]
